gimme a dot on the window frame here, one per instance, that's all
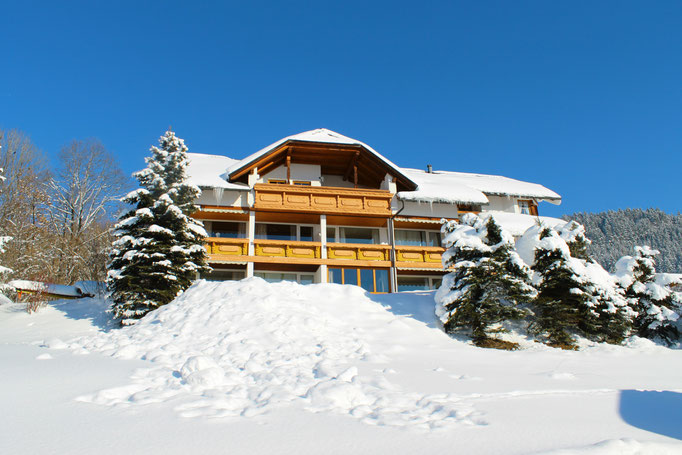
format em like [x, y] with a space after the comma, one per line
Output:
[358, 277]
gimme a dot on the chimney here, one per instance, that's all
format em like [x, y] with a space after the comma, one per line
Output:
[429, 169]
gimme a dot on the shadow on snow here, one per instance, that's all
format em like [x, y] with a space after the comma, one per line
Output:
[656, 411]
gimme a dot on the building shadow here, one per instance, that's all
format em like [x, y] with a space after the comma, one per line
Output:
[651, 410]
[418, 305]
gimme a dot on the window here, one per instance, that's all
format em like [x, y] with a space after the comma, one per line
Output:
[305, 233]
[371, 280]
[277, 181]
[228, 230]
[417, 238]
[289, 232]
[527, 207]
[275, 231]
[418, 283]
[345, 234]
[223, 275]
[276, 277]
[468, 208]
[301, 183]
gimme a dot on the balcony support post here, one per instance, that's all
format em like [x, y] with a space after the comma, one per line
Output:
[323, 247]
[251, 227]
[393, 273]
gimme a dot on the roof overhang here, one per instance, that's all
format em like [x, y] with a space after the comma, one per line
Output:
[334, 158]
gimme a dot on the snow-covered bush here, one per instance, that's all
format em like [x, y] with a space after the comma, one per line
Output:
[576, 296]
[488, 283]
[657, 308]
[158, 249]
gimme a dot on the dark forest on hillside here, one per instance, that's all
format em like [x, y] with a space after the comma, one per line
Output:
[615, 233]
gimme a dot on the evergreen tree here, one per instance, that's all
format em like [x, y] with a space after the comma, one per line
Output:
[159, 247]
[655, 306]
[613, 233]
[575, 295]
[488, 284]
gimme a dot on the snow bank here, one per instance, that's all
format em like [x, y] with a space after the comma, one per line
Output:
[243, 348]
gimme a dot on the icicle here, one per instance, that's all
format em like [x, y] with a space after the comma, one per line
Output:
[218, 195]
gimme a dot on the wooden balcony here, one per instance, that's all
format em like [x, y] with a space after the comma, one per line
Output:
[358, 252]
[360, 255]
[288, 249]
[320, 199]
[227, 249]
[426, 257]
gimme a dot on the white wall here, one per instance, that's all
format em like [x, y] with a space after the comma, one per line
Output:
[338, 181]
[229, 198]
[436, 209]
[502, 203]
[305, 172]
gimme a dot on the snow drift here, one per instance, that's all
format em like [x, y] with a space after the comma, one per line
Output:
[241, 348]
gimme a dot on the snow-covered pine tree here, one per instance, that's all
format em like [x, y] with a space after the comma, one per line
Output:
[657, 307]
[575, 294]
[488, 284]
[158, 249]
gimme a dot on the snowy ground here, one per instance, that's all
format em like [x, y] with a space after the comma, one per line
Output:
[251, 367]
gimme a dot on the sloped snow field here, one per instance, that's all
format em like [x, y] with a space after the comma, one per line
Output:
[253, 367]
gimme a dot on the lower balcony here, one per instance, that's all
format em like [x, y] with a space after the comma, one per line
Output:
[287, 251]
[423, 257]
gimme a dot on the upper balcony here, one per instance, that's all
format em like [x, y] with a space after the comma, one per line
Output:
[321, 199]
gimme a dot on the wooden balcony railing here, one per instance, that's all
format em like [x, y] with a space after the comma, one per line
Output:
[320, 199]
[358, 252]
[288, 249]
[419, 256]
[227, 249]
[218, 247]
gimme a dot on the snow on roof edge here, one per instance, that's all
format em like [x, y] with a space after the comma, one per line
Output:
[330, 137]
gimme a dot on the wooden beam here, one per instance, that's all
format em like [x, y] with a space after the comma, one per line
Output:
[355, 175]
[289, 165]
[352, 166]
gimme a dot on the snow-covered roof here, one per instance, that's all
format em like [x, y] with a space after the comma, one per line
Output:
[518, 223]
[209, 171]
[462, 187]
[48, 288]
[440, 187]
[437, 186]
[322, 135]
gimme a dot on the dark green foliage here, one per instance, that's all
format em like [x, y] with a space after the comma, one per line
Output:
[654, 305]
[489, 282]
[159, 248]
[613, 234]
[568, 302]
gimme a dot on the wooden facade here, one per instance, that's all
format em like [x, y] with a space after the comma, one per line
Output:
[317, 199]
[303, 207]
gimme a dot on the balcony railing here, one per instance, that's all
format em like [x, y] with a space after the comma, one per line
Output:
[358, 252]
[419, 256]
[227, 249]
[320, 199]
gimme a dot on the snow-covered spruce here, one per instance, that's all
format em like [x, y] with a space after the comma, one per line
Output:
[488, 284]
[657, 308]
[576, 296]
[159, 247]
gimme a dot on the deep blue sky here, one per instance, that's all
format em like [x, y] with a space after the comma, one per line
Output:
[583, 97]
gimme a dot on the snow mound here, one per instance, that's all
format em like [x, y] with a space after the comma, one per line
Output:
[242, 348]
